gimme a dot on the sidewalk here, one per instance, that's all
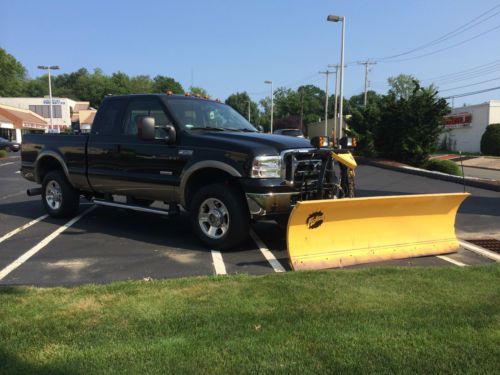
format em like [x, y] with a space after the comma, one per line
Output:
[489, 184]
[484, 167]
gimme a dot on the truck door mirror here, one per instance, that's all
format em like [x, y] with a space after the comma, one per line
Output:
[146, 128]
[260, 128]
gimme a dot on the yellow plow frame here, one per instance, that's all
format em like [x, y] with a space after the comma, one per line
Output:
[342, 232]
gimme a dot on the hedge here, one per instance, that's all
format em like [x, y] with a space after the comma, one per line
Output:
[445, 166]
[490, 141]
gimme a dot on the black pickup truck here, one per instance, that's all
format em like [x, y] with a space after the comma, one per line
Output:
[187, 152]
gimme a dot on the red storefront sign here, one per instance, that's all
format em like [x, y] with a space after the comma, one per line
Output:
[458, 120]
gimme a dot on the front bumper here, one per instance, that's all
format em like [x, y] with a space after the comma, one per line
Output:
[264, 204]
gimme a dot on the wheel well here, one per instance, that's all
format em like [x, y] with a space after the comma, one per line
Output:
[205, 177]
[45, 165]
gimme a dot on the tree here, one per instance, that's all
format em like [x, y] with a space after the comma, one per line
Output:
[162, 84]
[403, 85]
[141, 84]
[12, 75]
[240, 101]
[490, 141]
[198, 90]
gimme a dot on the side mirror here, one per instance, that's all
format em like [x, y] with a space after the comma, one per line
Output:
[260, 128]
[348, 142]
[146, 128]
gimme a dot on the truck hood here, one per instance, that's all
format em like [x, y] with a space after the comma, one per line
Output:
[255, 143]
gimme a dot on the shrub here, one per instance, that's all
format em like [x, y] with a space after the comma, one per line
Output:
[3, 153]
[445, 166]
[490, 141]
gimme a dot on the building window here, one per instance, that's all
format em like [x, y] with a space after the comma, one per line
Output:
[44, 110]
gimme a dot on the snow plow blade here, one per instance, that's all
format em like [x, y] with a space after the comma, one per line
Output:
[344, 232]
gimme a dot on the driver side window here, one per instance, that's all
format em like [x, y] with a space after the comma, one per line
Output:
[141, 107]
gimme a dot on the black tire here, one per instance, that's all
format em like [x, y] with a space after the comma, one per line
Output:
[69, 199]
[238, 222]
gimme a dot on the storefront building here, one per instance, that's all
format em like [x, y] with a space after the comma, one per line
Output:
[465, 126]
[14, 122]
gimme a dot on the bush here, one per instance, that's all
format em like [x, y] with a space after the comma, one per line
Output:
[490, 141]
[445, 166]
[3, 153]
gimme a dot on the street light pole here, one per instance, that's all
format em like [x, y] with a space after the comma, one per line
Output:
[272, 103]
[327, 74]
[249, 111]
[48, 69]
[333, 18]
[335, 109]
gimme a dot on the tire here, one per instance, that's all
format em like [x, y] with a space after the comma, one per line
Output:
[59, 198]
[221, 207]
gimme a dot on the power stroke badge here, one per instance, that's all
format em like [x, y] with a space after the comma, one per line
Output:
[315, 220]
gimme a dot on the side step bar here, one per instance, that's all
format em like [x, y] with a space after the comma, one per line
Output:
[133, 207]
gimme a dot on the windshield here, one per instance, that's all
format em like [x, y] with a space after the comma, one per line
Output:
[193, 114]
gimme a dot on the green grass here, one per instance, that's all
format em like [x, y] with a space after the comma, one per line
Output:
[3, 153]
[374, 320]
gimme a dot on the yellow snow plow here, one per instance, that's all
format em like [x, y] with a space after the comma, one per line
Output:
[328, 233]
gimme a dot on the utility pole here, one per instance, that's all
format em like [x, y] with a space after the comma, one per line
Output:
[248, 111]
[335, 109]
[327, 74]
[367, 64]
[302, 110]
[272, 102]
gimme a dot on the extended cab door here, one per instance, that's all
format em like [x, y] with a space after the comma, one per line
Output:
[148, 169]
[102, 150]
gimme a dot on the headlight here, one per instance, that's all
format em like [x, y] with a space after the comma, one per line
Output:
[266, 167]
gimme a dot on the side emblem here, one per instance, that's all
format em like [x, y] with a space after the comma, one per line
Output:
[315, 220]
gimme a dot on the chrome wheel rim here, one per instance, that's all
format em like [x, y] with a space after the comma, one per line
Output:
[213, 218]
[53, 195]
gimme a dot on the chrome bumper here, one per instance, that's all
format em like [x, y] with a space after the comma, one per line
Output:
[269, 203]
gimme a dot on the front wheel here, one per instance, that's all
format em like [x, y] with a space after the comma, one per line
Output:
[59, 198]
[219, 216]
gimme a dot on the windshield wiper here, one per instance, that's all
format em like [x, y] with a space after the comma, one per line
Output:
[206, 128]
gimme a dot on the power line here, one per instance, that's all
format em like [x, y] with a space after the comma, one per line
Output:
[472, 93]
[446, 48]
[472, 84]
[459, 30]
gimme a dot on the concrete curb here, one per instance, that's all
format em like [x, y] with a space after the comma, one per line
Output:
[394, 166]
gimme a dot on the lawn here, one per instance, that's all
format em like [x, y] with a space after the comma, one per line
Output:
[372, 320]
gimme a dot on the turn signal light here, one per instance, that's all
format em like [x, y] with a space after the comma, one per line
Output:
[206, 97]
[187, 94]
[354, 142]
[217, 100]
[169, 93]
[197, 95]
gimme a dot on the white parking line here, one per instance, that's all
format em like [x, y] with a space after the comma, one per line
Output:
[1, 165]
[266, 252]
[21, 228]
[35, 249]
[480, 250]
[455, 262]
[220, 267]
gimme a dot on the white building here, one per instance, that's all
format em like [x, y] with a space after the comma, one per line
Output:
[65, 111]
[466, 125]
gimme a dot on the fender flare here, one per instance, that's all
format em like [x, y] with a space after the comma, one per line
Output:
[54, 155]
[213, 164]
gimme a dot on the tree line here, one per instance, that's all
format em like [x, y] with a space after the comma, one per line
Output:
[403, 124]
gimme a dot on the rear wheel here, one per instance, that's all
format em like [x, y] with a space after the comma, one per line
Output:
[59, 198]
[219, 216]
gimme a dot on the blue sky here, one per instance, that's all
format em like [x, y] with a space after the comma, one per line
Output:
[228, 46]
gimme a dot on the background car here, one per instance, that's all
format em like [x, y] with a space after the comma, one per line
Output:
[290, 132]
[7, 145]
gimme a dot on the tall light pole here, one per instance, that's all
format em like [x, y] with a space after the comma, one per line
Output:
[327, 74]
[333, 18]
[248, 111]
[272, 102]
[48, 69]
[335, 109]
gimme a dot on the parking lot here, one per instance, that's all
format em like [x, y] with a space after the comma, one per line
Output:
[107, 244]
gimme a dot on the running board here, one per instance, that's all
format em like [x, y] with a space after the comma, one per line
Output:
[132, 207]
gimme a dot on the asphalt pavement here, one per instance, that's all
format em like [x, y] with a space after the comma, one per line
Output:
[106, 244]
